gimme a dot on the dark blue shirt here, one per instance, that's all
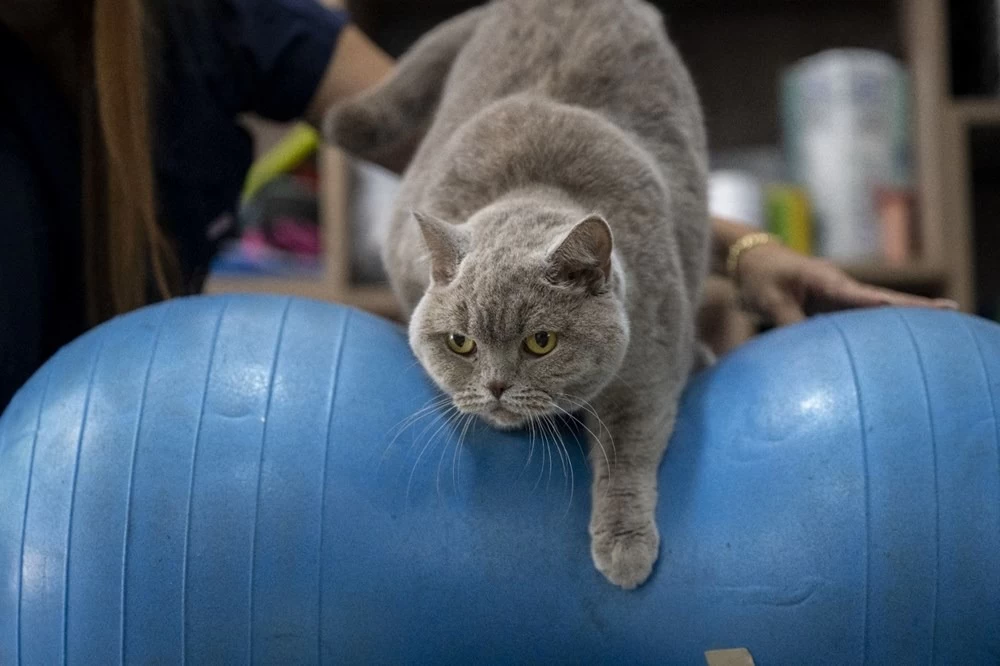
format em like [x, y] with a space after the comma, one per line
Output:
[220, 59]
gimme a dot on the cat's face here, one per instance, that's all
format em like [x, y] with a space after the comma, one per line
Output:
[514, 332]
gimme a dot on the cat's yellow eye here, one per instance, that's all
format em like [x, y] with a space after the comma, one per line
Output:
[540, 343]
[461, 344]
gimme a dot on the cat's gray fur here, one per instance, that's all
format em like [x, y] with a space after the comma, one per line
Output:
[539, 121]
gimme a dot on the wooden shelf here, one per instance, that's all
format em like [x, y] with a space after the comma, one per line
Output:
[377, 299]
[898, 277]
[914, 28]
[266, 284]
[977, 111]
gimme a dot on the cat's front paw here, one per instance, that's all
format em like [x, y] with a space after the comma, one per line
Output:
[625, 554]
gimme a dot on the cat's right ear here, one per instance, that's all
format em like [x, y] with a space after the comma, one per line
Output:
[445, 246]
[582, 258]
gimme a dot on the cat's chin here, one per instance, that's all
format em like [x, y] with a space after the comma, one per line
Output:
[504, 419]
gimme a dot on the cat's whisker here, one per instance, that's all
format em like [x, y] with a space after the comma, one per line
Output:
[597, 440]
[579, 403]
[602, 426]
[458, 429]
[413, 471]
[411, 365]
[430, 440]
[563, 455]
[572, 472]
[437, 476]
[429, 406]
[453, 424]
[438, 416]
[618, 376]
[541, 448]
[552, 464]
[531, 445]
[456, 459]
[547, 432]
[455, 451]
[410, 422]
[569, 464]
[576, 437]
[557, 439]
[439, 420]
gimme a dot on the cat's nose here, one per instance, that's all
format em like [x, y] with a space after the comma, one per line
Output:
[497, 388]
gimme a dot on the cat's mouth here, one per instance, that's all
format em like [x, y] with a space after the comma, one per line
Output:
[509, 414]
[499, 416]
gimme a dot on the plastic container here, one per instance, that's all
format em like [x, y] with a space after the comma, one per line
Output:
[846, 130]
[736, 195]
[789, 216]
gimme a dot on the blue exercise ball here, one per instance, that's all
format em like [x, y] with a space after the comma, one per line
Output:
[252, 480]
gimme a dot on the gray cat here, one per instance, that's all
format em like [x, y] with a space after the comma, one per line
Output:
[550, 238]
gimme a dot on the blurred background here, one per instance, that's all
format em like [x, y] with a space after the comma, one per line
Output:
[864, 131]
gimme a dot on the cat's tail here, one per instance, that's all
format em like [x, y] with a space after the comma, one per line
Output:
[385, 124]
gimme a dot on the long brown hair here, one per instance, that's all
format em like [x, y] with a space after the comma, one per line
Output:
[124, 246]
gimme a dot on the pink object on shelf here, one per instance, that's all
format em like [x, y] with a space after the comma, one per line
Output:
[288, 234]
[254, 246]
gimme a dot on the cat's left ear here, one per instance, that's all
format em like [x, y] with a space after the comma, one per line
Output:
[445, 245]
[582, 257]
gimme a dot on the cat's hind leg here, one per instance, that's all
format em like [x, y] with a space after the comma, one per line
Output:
[385, 124]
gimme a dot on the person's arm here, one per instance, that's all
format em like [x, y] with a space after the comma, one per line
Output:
[785, 287]
[288, 59]
[725, 233]
[355, 65]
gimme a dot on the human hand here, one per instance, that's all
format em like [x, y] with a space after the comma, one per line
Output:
[785, 286]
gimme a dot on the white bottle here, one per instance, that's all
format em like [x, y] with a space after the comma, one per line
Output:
[846, 125]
